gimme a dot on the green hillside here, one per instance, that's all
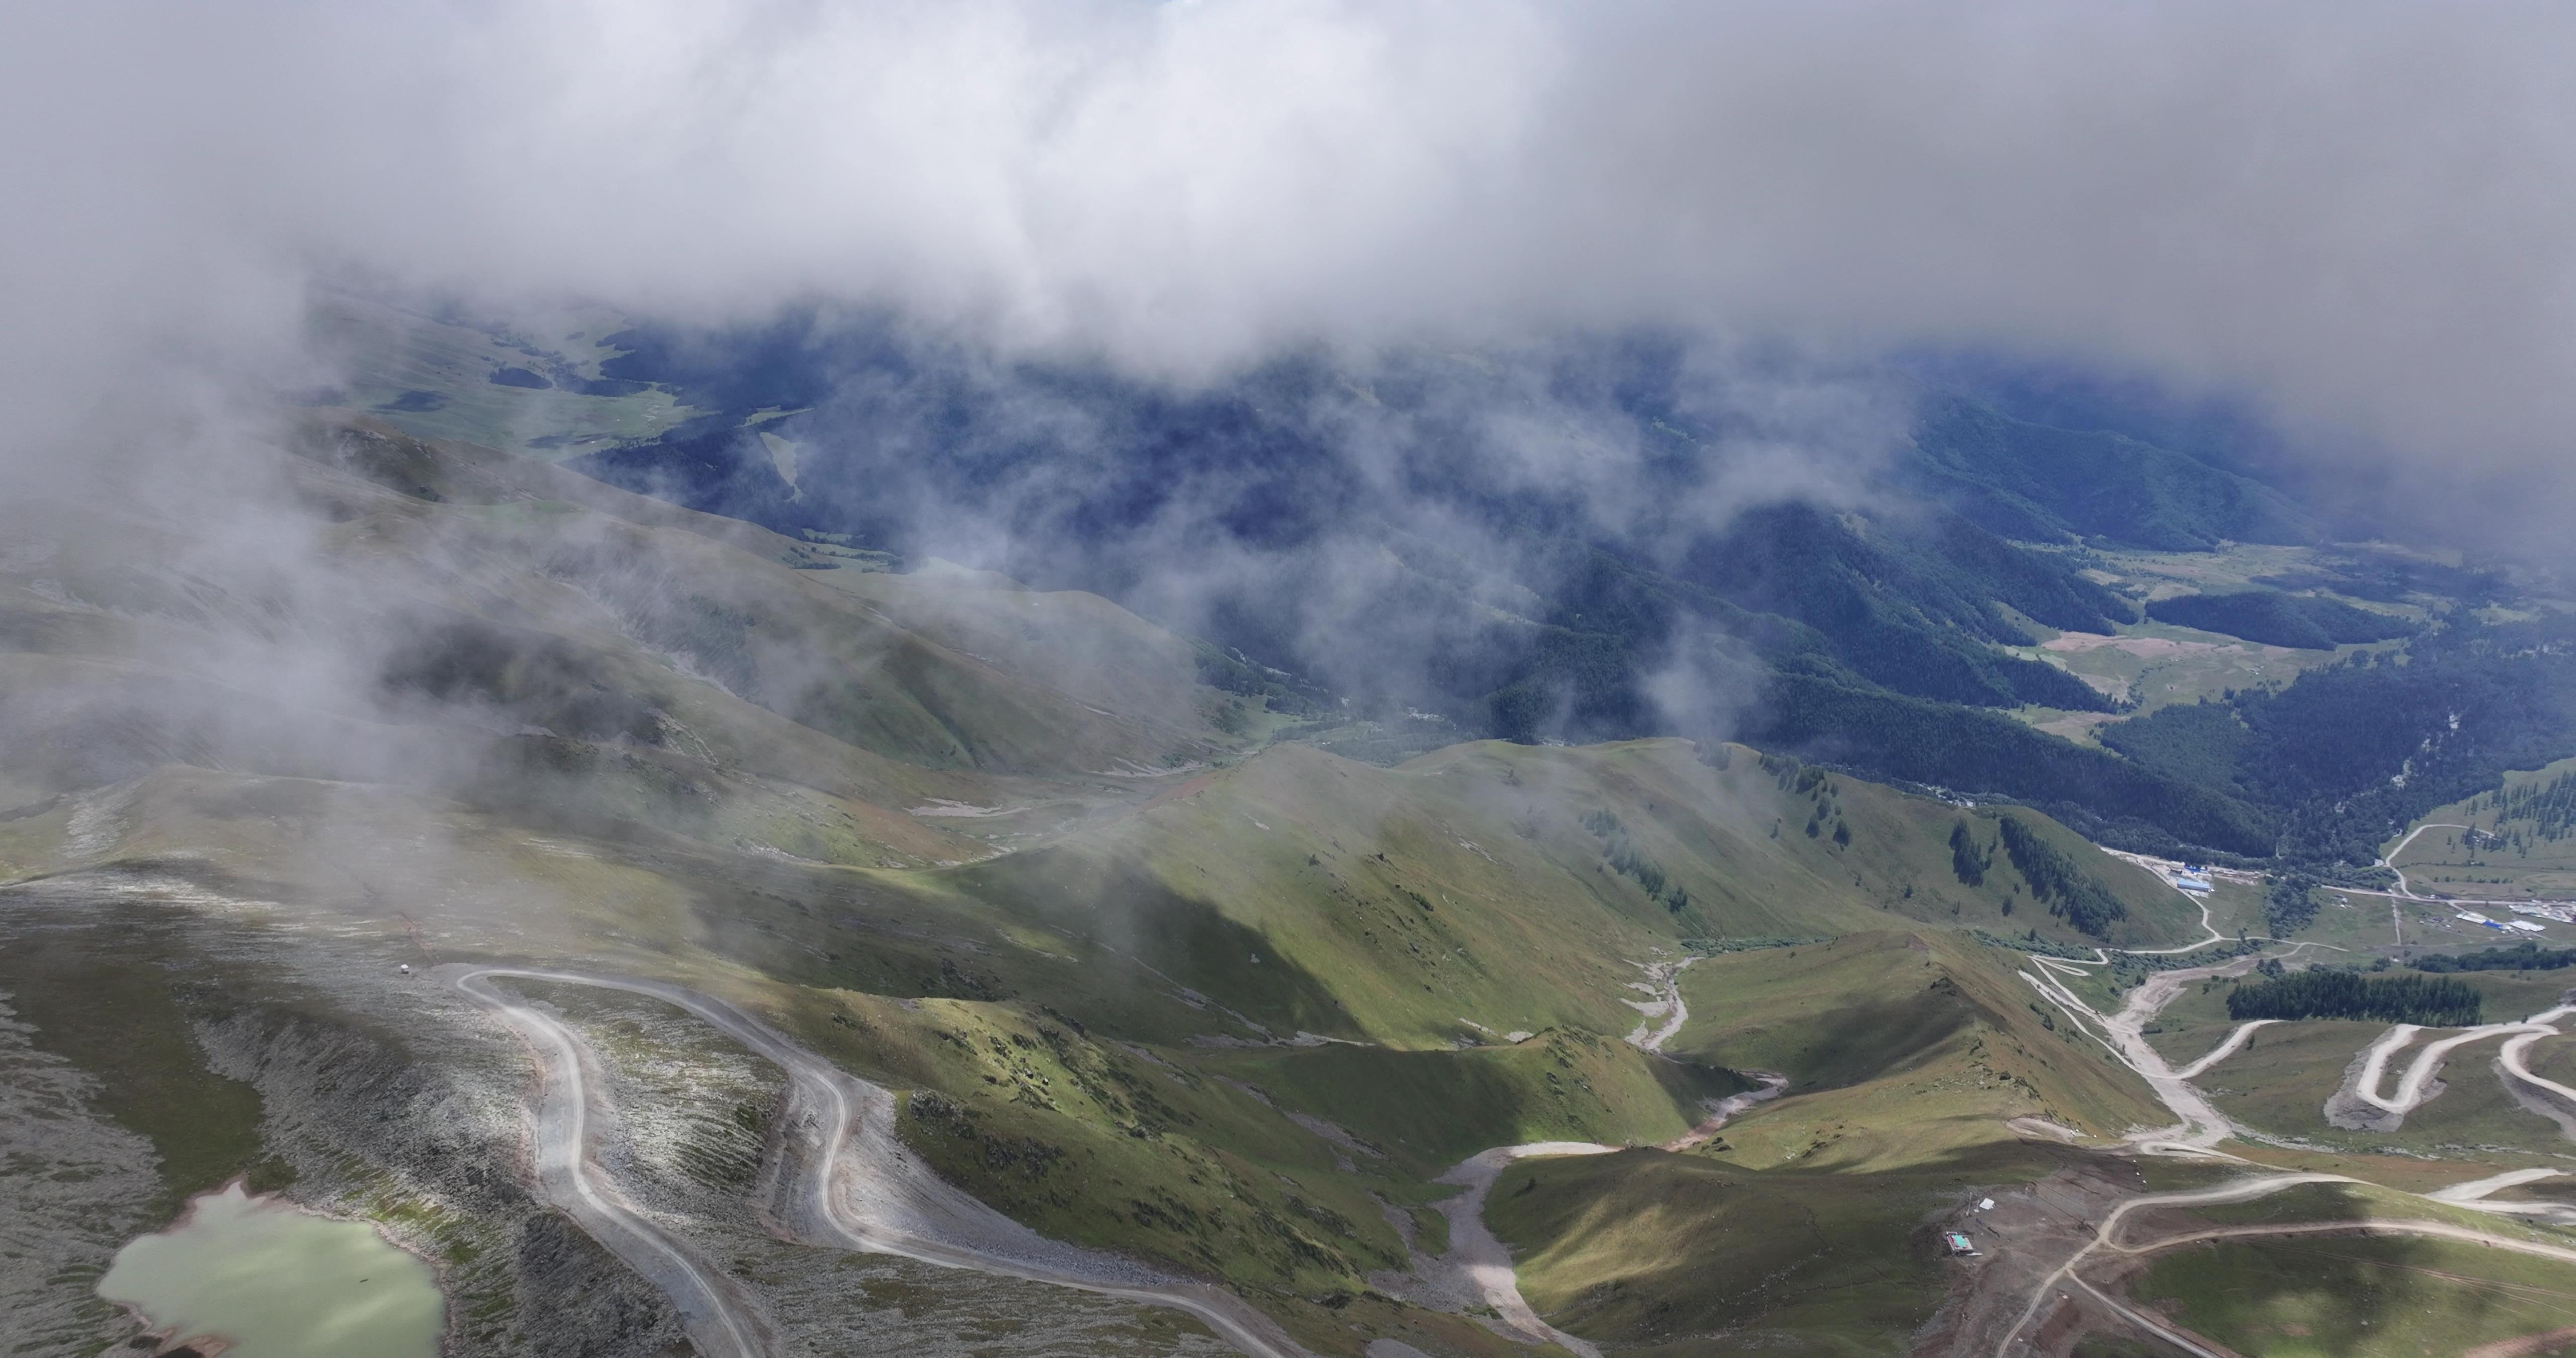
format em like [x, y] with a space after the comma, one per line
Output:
[1807, 1224]
[1465, 888]
[1682, 1255]
[532, 386]
[1911, 1045]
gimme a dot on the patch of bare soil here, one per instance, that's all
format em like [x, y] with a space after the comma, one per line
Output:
[2032, 1230]
[2143, 647]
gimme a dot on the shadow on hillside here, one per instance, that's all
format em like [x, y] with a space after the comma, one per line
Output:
[1116, 914]
[1873, 1038]
[1646, 1245]
[2339, 1294]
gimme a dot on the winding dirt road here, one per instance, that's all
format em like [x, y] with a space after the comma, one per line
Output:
[1484, 1264]
[2413, 1088]
[1479, 1265]
[2234, 1043]
[854, 1185]
[2239, 1191]
[2406, 891]
[2390, 860]
[2106, 1237]
[2477, 1190]
[2202, 1126]
[2207, 928]
[717, 1320]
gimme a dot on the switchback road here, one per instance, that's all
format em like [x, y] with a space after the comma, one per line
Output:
[853, 1186]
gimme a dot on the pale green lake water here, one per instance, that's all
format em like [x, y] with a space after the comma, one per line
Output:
[279, 1282]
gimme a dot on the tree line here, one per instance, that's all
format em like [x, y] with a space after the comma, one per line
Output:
[1625, 858]
[2071, 893]
[2523, 956]
[2434, 1001]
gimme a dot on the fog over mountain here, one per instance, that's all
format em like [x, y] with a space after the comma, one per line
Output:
[1433, 351]
[2346, 214]
[1436, 352]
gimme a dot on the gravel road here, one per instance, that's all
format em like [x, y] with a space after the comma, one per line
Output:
[852, 1185]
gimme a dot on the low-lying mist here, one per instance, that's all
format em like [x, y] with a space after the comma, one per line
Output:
[1361, 339]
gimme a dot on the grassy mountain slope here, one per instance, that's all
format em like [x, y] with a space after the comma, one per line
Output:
[2363, 1296]
[1910, 1044]
[1085, 647]
[1427, 1110]
[1068, 1091]
[533, 385]
[1464, 892]
[1917, 609]
[1808, 1224]
[1673, 1255]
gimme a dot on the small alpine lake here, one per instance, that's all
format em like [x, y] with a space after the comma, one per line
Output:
[271, 1280]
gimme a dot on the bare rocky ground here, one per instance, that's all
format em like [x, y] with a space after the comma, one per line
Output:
[392, 1099]
[386, 1099]
[2029, 1234]
[76, 1183]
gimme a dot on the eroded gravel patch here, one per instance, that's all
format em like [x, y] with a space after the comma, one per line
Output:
[76, 1185]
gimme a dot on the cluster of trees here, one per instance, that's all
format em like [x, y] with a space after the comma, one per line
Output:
[2523, 956]
[2333, 764]
[2109, 799]
[1968, 861]
[1625, 858]
[2204, 742]
[2072, 894]
[2471, 702]
[2289, 903]
[2391, 576]
[2318, 773]
[2435, 1002]
[2551, 806]
[1828, 808]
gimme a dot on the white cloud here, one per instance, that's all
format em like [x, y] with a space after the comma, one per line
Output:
[2356, 213]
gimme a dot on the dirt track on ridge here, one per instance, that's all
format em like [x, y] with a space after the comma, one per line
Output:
[853, 1187]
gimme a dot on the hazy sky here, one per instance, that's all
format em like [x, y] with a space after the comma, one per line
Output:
[2358, 214]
